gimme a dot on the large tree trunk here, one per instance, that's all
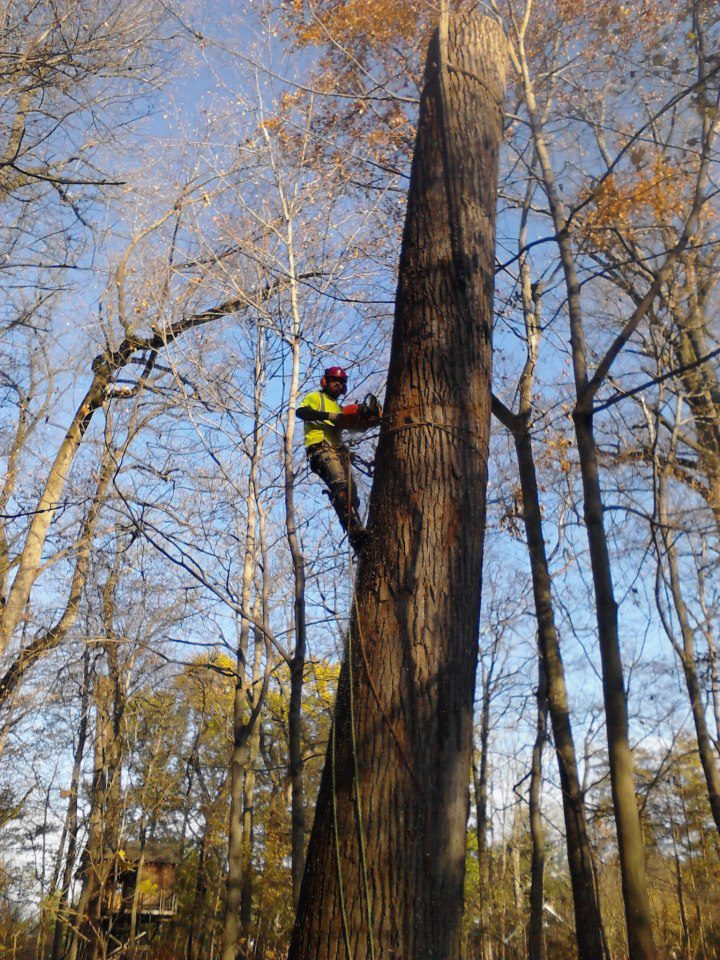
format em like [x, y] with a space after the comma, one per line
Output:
[386, 861]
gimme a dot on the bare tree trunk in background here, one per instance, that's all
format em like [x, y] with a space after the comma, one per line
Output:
[231, 921]
[288, 201]
[71, 817]
[680, 895]
[43, 643]
[638, 916]
[297, 663]
[702, 390]
[536, 939]
[102, 837]
[195, 948]
[687, 655]
[246, 893]
[386, 862]
[630, 841]
[480, 785]
[93, 848]
[242, 727]
[481, 827]
[99, 862]
[112, 700]
[589, 928]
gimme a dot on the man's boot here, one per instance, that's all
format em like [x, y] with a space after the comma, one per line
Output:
[349, 518]
[357, 534]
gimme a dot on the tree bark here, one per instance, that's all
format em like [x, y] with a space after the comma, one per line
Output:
[702, 391]
[386, 862]
[194, 946]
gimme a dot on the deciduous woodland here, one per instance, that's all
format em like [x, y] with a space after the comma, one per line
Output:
[494, 734]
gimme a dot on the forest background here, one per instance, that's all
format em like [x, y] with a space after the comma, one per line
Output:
[202, 207]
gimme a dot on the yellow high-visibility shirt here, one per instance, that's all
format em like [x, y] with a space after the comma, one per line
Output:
[318, 430]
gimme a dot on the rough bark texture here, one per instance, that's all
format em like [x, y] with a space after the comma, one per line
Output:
[386, 861]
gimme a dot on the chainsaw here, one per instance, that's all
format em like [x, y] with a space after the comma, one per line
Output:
[362, 416]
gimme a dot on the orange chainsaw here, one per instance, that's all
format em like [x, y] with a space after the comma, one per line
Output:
[362, 416]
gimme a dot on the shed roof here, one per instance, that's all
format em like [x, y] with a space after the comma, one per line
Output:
[155, 852]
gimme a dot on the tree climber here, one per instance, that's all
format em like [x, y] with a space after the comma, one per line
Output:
[328, 456]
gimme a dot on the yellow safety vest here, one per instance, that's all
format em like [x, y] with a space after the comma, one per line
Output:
[318, 430]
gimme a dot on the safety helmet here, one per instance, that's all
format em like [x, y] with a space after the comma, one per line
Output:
[334, 373]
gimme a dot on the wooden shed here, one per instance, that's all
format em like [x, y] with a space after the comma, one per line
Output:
[150, 874]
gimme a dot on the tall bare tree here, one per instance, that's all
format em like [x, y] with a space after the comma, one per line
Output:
[385, 866]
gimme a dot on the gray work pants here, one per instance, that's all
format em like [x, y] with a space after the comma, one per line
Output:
[332, 465]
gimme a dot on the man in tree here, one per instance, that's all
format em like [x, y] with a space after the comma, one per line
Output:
[329, 458]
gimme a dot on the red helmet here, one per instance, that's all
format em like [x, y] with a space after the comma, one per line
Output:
[334, 373]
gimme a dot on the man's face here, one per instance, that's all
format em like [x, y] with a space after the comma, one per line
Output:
[335, 387]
